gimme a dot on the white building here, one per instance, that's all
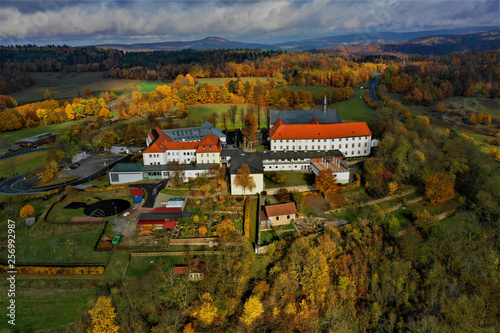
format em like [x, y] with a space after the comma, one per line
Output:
[352, 139]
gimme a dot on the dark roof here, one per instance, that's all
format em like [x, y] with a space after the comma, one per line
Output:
[127, 167]
[253, 160]
[193, 133]
[282, 155]
[163, 216]
[295, 117]
[230, 151]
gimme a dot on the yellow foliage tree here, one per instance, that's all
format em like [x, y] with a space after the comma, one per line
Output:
[27, 211]
[47, 174]
[252, 310]
[189, 329]
[224, 228]
[103, 316]
[393, 187]
[206, 311]
[439, 188]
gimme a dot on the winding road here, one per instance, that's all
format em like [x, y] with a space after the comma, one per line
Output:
[373, 88]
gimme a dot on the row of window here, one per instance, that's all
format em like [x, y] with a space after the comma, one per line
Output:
[319, 147]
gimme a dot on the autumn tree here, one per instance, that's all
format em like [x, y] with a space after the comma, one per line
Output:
[103, 316]
[232, 111]
[176, 172]
[325, 182]
[282, 195]
[244, 179]
[224, 120]
[249, 127]
[202, 231]
[224, 228]
[298, 198]
[26, 211]
[252, 310]
[47, 94]
[48, 173]
[425, 221]
[108, 139]
[87, 91]
[205, 311]
[439, 188]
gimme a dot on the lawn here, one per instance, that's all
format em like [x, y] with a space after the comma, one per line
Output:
[140, 266]
[253, 220]
[22, 163]
[70, 85]
[354, 109]
[267, 236]
[61, 214]
[291, 179]
[70, 244]
[150, 86]
[174, 192]
[42, 309]
[198, 114]
[478, 104]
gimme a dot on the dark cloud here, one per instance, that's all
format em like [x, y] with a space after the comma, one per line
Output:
[149, 20]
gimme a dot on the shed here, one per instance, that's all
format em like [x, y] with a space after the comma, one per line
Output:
[138, 194]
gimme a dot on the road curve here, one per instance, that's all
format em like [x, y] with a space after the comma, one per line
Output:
[373, 89]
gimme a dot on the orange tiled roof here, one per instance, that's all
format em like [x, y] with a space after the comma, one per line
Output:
[314, 121]
[209, 140]
[318, 131]
[281, 209]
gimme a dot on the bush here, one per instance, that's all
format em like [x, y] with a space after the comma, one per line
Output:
[239, 199]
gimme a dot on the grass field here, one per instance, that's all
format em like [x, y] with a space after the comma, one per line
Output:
[150, 86]
[292, 178]
[139, 266]
[71, 85]
[198, 114]
[22, 163]
[46, 308]
[354, 109]
[478, 104]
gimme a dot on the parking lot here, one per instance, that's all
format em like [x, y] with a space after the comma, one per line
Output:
[90, 165]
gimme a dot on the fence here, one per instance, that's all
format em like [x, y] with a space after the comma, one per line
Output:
[390, 197]
[210, 241]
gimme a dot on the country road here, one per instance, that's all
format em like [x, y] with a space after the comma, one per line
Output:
[373, 89]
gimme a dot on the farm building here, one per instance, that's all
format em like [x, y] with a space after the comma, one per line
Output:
[156, 224]
[195, 270]
[280, 214]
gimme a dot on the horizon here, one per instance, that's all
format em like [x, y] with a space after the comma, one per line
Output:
[81, 23]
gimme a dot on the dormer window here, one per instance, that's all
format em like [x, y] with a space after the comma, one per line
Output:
[210, 148]
[204, 148]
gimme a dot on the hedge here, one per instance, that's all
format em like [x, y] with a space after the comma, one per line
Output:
[55, 270]
[104, 189]
[246, 225]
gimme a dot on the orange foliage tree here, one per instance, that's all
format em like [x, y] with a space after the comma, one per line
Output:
[27, 211]
[325, 182]
[439, 188]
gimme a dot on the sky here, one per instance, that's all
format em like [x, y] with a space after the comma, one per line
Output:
[94, 22]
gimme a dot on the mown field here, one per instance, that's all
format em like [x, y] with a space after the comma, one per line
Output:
[71, 85]
[311, 89]
[198, 114]
[22, 163]
[220, 81]
[40, 309]
[354, 109]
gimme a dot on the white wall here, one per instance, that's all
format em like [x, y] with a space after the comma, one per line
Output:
[128, 177]
[259, 185]
[350, 147]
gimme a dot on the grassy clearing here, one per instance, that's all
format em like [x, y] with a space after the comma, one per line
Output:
[198, 114]
[61, 214]
[22, 163]
[69, 245]
[267, 236]
[44, 309]
[174, 192]
[220, 81]
[70, 85]
[477, 104]
[150, 86]
[140, 266]
[253, 220]
[354, 109]
[291, 179]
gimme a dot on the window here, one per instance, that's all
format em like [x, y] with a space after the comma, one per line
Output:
[277, 218]
[365, 144]
[312, 147]
[347, 146]
[359, 144]
[300, 147]
[210, 148]
[353, 145]
[324, 147]
[288, 217]
[204, 148]
[115, 177]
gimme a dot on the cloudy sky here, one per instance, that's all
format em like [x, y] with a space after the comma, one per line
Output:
[135, 21]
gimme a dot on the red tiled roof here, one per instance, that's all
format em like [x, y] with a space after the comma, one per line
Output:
[207, 141]
[136, 192]
[263, 216]
[169, 224]
[156, 147]
[179, 270]
[314, 121]
[281, 209]
[318, 131]
[180, 145]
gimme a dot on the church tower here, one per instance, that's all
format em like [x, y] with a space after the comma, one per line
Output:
[325, 105]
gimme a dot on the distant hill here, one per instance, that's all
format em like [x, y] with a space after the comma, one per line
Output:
[431, 45]
[202, 44]
[306, 44]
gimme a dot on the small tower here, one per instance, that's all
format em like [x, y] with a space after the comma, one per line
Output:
[325, 104]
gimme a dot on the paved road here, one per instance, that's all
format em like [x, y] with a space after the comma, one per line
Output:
[13, 185]
[22, 152]
[152, 189]
[373, 88]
